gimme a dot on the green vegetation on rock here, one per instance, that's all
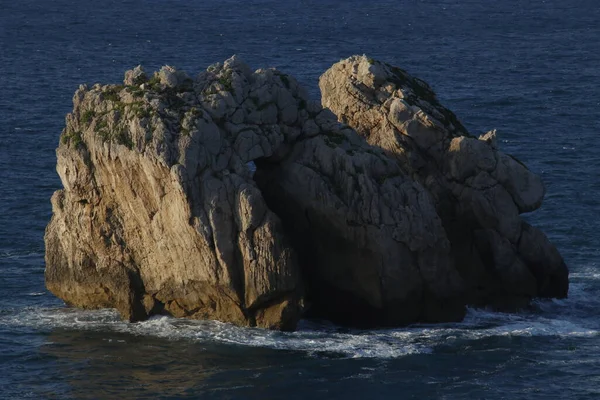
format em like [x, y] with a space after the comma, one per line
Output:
[87, 116]
[226, 81]
[72, 138]
[112, 93]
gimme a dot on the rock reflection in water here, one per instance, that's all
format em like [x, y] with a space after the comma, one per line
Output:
[116, 365]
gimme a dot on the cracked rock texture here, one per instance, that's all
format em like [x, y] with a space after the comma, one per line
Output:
[479, 192]
[232, 196]
[372, 247]
[159, 212]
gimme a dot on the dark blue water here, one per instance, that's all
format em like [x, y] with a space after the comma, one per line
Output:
[529, 68]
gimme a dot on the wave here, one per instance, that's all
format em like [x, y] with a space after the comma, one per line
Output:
[13, 254]
[573, 317]
[314, 338]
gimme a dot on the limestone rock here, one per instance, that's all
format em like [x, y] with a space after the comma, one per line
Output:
[135, 77]
[162, 213]
[371, 244]
[478, 191]
[159, 212]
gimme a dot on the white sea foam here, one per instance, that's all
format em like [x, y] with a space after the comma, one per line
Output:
[309, 338]
[21, 254]
[560, 318]
[585, 275]
[313, 338]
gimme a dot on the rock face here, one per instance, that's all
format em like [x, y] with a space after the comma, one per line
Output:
[159, 211]
[478, 191]
[372, 248]
[233, 197]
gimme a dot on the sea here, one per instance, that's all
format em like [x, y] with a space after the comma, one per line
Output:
[528, 68]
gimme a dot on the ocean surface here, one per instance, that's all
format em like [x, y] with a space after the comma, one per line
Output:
[529, 68]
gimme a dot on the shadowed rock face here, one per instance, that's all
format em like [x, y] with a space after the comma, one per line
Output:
[372, 248]
[478, 191]
[160, 212]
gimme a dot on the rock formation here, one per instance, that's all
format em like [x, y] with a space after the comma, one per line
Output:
[232, 196]
[478, 191]
[159, 211]
[372, 248]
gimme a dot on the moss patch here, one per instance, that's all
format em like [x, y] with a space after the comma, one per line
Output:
[88, 116]
[112, 93]
[101, 125]
[72, 138]
[226, 80]
[141, 110]
[154, 82]
[123, 138]
[135, 91]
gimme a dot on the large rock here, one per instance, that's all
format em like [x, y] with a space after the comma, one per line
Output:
[161, 213]
[478, 191]
[372, 247]
[232, 196]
